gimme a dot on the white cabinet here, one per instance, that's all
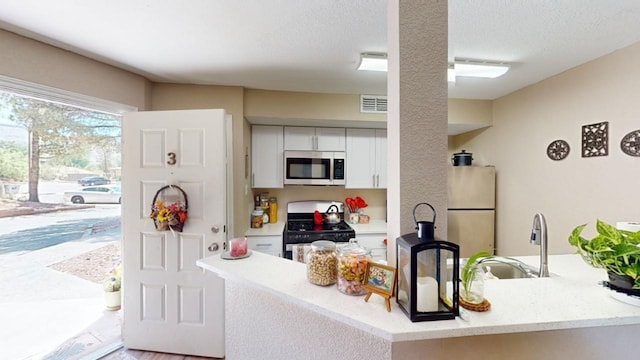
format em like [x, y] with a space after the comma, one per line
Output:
[366, 163]
[267, 156]
[314, 139]
[375, 243]
[271, 245]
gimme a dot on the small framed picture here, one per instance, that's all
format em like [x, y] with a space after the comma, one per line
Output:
[380, 279]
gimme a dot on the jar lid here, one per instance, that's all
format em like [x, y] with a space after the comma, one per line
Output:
[257, 212]
[323, 245]
[354, 249]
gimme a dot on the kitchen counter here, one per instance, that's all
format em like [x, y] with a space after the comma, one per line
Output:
[373, 227]
[569, 299]
[269, 229]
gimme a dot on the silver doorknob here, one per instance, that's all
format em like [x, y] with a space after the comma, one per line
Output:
[214, 247]
[215, 229]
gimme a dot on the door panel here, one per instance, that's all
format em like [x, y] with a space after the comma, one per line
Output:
[171, 305]
[153, 148]
[191, 148]
[154, 252]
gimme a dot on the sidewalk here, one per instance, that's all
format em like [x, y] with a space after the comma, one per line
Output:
[10, 208]
[46, 311]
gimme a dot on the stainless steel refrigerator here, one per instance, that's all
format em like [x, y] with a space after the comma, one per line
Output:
[471, 211]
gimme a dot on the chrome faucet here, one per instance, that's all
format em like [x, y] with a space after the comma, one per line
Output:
[539, 237]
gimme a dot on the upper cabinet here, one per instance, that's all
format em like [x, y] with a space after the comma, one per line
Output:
[267, 156]
[314, 139]
[366, 159]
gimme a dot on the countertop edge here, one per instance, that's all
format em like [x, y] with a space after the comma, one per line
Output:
[574, 276]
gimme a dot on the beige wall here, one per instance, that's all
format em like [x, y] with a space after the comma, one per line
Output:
[575, 190]
[376, 198]
[317, 108]
[36, 62]
[470, 112]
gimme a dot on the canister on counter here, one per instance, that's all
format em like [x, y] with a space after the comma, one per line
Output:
[273, 210]
[256, 218]
[321, 263]
[352, 266]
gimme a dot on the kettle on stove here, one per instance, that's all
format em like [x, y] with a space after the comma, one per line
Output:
[332, 217]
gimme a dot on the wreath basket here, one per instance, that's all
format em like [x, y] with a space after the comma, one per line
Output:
[172, 216]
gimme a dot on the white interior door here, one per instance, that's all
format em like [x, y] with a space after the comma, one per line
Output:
[169, 304]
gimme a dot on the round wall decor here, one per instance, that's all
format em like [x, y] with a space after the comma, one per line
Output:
[558, 150]
[630, 143]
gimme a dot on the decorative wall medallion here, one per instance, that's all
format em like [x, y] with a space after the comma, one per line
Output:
[630, 143]
[558, 150]
[595, 139]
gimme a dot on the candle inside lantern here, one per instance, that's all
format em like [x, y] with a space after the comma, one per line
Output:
[427, 294]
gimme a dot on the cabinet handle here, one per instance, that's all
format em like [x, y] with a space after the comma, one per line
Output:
[374, 180]
[253, 179]
[377, 180]
[263, 245]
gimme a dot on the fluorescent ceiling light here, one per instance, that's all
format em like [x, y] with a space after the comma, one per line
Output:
[469, 68]
[451, 74]
[373, 62]
[483, 69]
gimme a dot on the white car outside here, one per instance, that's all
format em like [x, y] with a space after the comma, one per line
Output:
[94, 194]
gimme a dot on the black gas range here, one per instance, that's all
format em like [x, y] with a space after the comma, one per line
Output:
[301, 230]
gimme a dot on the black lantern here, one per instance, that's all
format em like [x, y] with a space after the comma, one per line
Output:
[428, 278]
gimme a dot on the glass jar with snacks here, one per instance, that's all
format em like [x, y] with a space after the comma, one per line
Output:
[352, 265]
[321, 263]
[256, 218]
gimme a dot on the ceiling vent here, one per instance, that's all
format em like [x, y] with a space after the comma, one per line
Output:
[373, 104]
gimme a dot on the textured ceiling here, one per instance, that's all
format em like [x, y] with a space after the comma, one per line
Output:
[314, 45]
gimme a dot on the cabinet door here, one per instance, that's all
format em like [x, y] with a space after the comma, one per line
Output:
[375, 243]
[381, 159]
[330, 139]
[267, 156]
[271, 245]
[360, 162]
[299, 138]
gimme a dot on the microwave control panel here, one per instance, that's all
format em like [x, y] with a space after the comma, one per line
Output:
[338, 169]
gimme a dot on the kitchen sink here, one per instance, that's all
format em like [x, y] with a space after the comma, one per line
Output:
[507, 269]
[513, 270]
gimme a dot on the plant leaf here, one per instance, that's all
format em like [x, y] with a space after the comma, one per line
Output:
[607, 230]
[575, 239]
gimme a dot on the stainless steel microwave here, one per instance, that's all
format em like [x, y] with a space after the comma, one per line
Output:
[314, 167]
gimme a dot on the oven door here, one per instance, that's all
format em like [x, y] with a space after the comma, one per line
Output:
[298, 252]
[308, 168]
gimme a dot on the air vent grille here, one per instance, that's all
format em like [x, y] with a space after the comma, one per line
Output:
[373, 104]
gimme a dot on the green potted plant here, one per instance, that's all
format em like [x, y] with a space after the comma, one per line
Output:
[616, 251]
[112, 287]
